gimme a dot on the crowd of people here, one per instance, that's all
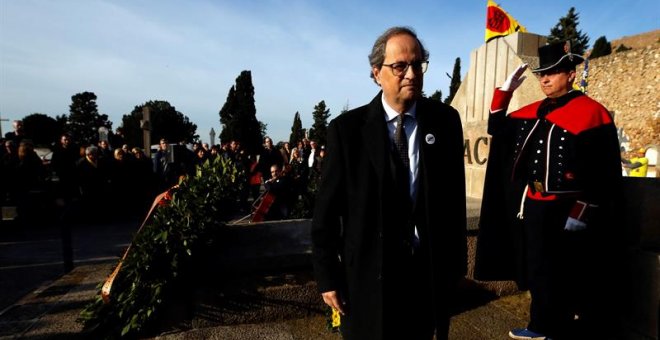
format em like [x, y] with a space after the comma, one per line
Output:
[88, 181]
[104, 181]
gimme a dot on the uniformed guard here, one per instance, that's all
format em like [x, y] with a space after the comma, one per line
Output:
[555, 168]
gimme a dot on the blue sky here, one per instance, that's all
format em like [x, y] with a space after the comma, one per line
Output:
[300, 52]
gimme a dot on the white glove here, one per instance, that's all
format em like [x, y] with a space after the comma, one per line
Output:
[574, 224]
[514, 80]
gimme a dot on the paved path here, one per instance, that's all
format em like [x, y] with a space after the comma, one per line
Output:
[51, 312]
[34, 287]
[38, 300]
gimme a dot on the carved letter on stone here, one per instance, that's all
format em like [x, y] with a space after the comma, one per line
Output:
[466, 151]
[476, 150]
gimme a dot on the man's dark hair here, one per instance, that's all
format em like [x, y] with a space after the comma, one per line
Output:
[377, 55]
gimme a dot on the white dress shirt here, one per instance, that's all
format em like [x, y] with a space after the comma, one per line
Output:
[410, 126]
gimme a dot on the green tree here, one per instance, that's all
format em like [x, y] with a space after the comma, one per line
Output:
[61, 122]
[455, 81]
[165, 122]
[238, 115]
[623, 48]
[566, 29]
[602, 47]
[437, 95]
[228, 117]
[84, 119]
[297, 133]
[319, 128]
[43, 130]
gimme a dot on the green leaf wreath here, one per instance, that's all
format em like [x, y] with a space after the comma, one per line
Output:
[165, 252]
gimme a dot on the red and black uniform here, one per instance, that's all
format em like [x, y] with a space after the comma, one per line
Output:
[551, 162]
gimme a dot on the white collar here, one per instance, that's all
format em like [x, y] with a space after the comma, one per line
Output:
[391, 114]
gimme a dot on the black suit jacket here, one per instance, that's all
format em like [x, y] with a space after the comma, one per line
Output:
[357, 232]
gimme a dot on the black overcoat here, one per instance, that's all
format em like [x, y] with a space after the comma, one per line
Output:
[356, 231]
[592, 159]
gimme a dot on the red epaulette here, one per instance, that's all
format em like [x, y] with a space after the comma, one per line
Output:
[526, 112]
[580, 114]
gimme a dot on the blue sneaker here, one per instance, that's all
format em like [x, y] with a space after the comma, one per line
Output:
[524, 333]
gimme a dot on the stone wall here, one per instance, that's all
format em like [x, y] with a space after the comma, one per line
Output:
[628, 84]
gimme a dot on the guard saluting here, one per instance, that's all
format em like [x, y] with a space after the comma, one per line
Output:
[548, 211]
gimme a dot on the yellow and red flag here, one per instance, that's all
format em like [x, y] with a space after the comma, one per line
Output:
[499, 23]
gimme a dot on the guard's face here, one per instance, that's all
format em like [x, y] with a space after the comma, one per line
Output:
[556, 83]
[400, 91]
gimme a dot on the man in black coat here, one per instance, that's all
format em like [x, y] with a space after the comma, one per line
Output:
[389, 228]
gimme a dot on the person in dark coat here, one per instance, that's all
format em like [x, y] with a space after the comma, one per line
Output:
[93, 184]
[281, 187]
[549, 211]
[389, 226]
[269, 156]
[65, 157]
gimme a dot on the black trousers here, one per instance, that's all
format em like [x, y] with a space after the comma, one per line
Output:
[423, 306]
[567, 274]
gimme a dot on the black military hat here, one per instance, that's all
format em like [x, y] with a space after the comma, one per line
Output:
[557, 55]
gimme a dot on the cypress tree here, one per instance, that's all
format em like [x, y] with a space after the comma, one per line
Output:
[297, 133]
[227, 117]
[249, 127]
[566, 29]
[318, 131]
[238, 115]
[455, 81]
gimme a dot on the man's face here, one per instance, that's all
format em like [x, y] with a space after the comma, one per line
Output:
[556, 83]
[163, 145]
[274, 171]
[400, 91]
[65, 141]
[268, 143]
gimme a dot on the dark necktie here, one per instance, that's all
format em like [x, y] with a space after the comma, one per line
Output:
[401, 142]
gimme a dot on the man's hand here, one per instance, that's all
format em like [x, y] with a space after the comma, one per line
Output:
[574, 225]
[333, 300]
[578, 216]
[514, 80]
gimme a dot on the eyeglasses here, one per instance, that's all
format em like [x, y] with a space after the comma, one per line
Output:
[399, 69]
